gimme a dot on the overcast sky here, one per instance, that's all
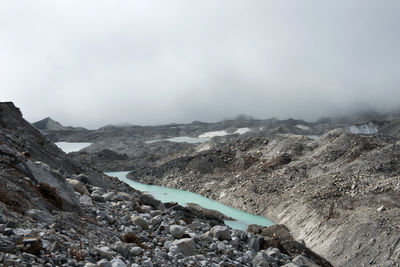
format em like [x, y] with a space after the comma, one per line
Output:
[91, 63]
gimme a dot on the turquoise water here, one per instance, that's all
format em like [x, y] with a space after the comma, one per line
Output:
[164, 194]
[68, 147]
[183, 139]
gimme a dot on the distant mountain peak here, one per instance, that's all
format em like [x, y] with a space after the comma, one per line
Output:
[48, 124]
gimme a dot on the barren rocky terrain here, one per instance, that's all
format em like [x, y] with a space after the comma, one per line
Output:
[334, 183]
[338, 193]
[56, 211]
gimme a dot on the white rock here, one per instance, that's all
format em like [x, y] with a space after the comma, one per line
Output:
[381, 208]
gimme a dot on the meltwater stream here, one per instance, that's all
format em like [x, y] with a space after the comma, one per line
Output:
[164, 194]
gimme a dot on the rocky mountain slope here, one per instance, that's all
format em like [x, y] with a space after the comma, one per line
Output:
[55, 211]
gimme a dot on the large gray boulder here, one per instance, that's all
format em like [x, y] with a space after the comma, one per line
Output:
[221, 232]
[186, 245]
[39, 174]
[176, 231]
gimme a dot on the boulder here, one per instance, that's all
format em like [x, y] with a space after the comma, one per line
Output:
[104, 263]
[303, 261]
[255, 243]
[105, 252]
[7, 151]
[176, 231]
[86, 200]
[186, 245]
[3, 219]
[137, 220]
[151, 201]
[221, 232]
[7, 246]
[136, 251]
[78, 186]
[156, 220]
[40, 174]
[263, 260]
[117, 263]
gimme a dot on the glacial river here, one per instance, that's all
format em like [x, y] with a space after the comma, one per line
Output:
[164, 194]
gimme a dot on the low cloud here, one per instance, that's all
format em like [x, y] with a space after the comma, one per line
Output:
[92, 63]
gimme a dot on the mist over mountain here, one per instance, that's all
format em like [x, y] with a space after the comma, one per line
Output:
[98, 63]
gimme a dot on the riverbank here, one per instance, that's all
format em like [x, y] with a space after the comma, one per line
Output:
[234, 218]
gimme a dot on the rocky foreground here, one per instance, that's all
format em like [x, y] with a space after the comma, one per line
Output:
[55, 211]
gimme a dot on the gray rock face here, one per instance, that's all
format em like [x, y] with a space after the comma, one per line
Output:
[39, 174]
[221, 232]
[186, 245]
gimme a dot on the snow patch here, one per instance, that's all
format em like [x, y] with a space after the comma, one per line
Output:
[203, 147]
[368, 128]
[242, 130]
[224, 132]
[212, 134]
[302, 127]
